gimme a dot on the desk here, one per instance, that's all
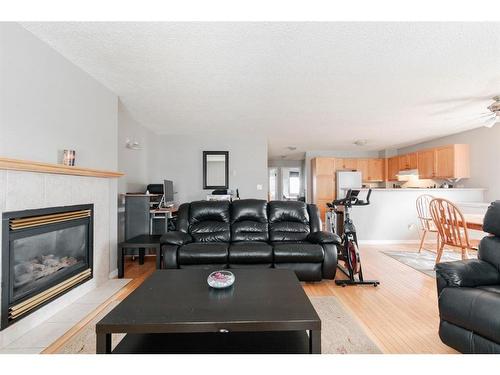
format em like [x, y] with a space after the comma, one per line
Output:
[163, 213]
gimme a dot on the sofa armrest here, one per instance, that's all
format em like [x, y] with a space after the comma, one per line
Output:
[323, 237]
[176, 238]
[466, 273]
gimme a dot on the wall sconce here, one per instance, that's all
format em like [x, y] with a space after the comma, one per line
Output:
[133, 145]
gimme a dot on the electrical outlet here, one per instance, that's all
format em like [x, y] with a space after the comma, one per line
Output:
[259, 187]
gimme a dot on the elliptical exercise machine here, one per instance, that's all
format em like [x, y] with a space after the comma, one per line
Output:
[349, 251]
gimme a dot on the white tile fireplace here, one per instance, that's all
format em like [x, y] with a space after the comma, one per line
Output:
[24, 190]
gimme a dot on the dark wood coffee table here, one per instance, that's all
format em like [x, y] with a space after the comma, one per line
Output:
[175, 311]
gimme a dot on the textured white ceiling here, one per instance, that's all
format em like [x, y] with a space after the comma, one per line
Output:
[316, 86]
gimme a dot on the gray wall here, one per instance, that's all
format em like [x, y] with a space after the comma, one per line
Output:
[179, 158]
[47, 104]
[484, 157]
[134, 163]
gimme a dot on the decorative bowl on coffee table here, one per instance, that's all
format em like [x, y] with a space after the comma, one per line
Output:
[221, 279]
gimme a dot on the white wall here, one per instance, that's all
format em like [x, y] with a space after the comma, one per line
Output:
[47, 104]
[179, 158]
[134, 163]
[392, 216]
[484, 157]
[331, 154]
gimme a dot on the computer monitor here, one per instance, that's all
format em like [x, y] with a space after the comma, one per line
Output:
[168, 191]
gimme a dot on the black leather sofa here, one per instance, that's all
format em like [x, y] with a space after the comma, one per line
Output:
[251, 233]
[469, 294]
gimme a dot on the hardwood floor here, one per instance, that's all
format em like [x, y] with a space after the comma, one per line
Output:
[400, 315]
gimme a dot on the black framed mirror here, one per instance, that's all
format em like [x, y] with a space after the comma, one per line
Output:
[215, 169]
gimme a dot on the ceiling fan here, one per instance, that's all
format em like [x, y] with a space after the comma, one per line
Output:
[487, 118]
[494, 116]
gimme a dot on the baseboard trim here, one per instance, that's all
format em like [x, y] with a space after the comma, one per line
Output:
[113, 274]
[388, 242]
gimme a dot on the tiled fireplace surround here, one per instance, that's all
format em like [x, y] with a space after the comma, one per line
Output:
[27, 190]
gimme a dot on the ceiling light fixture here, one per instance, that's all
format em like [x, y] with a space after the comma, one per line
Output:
[133, 145]
[360, 142]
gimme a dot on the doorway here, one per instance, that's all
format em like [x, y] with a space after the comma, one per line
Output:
[286, 184]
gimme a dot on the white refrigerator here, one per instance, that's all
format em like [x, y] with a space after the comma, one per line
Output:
[347, 180]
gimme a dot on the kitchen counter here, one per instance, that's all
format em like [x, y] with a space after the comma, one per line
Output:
[392, 215]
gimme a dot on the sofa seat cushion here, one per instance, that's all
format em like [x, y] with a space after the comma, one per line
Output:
[250, 253]
[490, 288]
[297, 252]
[203, 253]
[474, 309]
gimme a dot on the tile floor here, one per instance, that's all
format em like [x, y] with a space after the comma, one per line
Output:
[49, 331]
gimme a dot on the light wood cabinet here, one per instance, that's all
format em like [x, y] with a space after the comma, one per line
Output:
[427, 164]
[324, 173]
[347, 164]
[376, 170]
[323, 182]
[413, 160]
[363, 168]
[452, 161]
[324, 166]
[392, 168]
[408, 161]
[441, 162]
[444, 162]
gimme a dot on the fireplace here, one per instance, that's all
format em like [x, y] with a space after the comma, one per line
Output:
[45, 253]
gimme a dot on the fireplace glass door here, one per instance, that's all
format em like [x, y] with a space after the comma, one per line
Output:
[39, 259]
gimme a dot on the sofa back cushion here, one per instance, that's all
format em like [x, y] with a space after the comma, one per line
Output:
[288, 221]
[249, 220]
[489, 247]
[209, 221]
[183, 218]
[491, 222]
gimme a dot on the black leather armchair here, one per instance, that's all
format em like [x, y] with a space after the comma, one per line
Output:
[251, 233]
[469, 294]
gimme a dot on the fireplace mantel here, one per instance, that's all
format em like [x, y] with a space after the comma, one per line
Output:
[34, 166]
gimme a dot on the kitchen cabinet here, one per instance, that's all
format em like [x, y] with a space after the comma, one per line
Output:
[376, 170]
[323, 182]
[445, 162]
[452, 161]
[392, 168]
[427, 164]
[324, 166]
[363, 168]
[408, 161]
[348, 164]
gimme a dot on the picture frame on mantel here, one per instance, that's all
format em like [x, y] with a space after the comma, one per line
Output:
[215, 170]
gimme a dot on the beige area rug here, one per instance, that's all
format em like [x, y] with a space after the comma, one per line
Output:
[426, 260]
[340, 333]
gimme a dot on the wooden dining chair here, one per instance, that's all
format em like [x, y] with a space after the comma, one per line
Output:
[425, 218]
[451, 226]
